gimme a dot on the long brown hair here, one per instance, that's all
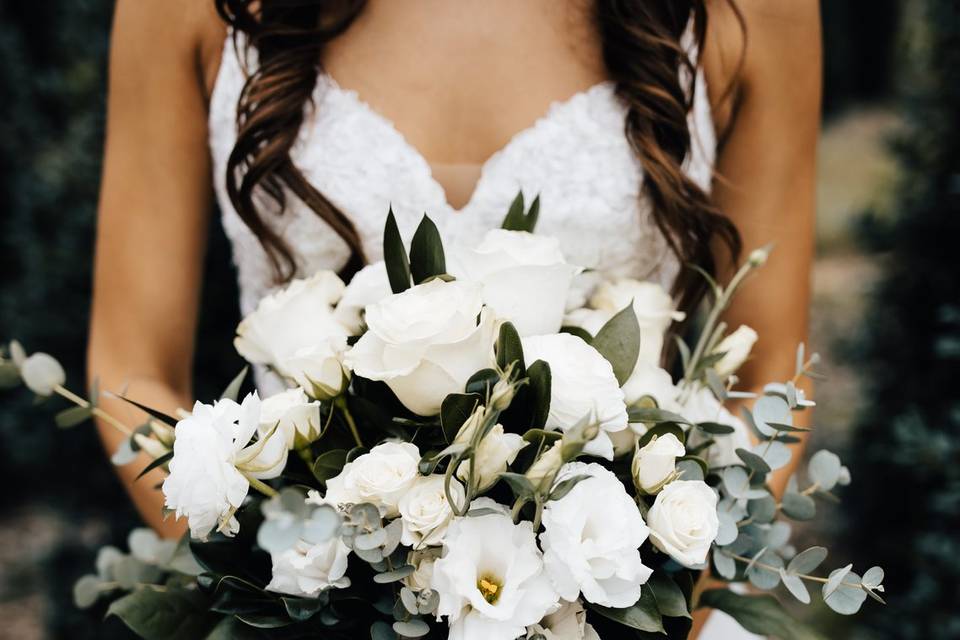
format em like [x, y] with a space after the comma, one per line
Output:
[643, 54]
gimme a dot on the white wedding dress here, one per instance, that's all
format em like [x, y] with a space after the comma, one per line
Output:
[575, 157]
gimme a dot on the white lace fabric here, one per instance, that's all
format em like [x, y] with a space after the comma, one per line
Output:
[575, 157]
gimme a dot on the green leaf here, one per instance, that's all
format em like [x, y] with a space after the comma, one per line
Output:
[154, 413]
[159, 462]
[759, 614]
[643, 615]
[426, 252]
[533, 215]
[798, 506]
[301, 609]
[515, 220]
[232, 392]
[807, 561]
[395, 256]
[565, 487]
[395, 575]
[539, 388]
[509, 349]
[481, 383]
[697, 460]
[762, 510]
[753, 461]
[519, 484]
[824, 469]
[715, 428]
[619, 342]
[454, 411]
[580, 332]
[839, 593]
[653, 415]
[9, 375]
[329, 464]
[661, 430]
[86, 591]
[670, 599]
[73, 416]
[164, 615]
[230, 628]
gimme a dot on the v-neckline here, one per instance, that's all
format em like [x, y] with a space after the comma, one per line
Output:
[556, 107]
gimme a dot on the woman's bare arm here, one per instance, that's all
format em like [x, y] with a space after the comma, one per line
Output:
[154, 208]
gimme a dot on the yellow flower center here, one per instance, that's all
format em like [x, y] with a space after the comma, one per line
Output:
[489, 588]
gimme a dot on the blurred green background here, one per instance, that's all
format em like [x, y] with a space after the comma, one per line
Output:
[886, 313]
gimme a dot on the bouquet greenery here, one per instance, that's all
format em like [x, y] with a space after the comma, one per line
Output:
[453, 449]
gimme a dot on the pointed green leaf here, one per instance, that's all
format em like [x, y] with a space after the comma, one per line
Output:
[159, 462]
[426, 252]
[514, 220]
[759, 614]
[539, 388]
[643, 615]
[395, 256]
[454, 411]
[619, 342]
[73, 416]
[509, 349]
[533, 215]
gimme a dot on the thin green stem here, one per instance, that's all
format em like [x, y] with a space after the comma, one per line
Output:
[341, 404]
[261, 486]
[95, 411]
[769, 567]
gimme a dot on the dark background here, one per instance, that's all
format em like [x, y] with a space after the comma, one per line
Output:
[886, 310]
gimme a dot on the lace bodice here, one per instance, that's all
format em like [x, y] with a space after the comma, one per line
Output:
[575, 157]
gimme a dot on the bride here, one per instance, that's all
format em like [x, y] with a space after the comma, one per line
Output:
[658, 133]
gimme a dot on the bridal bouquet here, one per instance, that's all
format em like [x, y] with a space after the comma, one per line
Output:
[460, 454]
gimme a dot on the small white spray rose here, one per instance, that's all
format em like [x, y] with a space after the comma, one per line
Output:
[297, 417]
[683, 521]
[582, 385]
[425, 512]
[525, 278]
[569, 622]
[426, 342]
[592, 537]
[368, 286]
[308, 569]
[736, 349]
[497, 450]
[381, 477]
[491, 580]
[655, 464]
[295, 332]
[42, 373]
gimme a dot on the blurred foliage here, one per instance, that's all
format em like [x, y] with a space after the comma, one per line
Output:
[904, 504]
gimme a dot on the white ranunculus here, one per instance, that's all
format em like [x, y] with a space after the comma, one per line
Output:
[381, 477]
[683, 521]
[496, 452]
[591, 539]
[425, 512]
[295, 332]
[297, 417]
[582, 385]
[369, 285]
[655, 464]
[491, 580]
[703, 406]
[736, 349]
[649, 380]
[210, 456]
[569, 622]
[426, 342]
[525, 278]
[308, 569]
[42, 373]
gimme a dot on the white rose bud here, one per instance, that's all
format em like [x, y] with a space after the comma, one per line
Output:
[654, 465]
[736, 349]
[381, 477]
[546, 466]
[425, 512]
[497, 451]
[296, 417]
[42, 374]
[683, 521]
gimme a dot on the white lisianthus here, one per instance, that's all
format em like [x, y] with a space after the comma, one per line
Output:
[683, 521]
[525, 278]
[655, 464]
[295, 416]
[308, 569]
[425, 512]
[381, 477]
[569, 622]
[497, 450]
[490, 579]
[582, 385]
[210, 457]
[702, 406]
[736, 349]
[42, 373]
[295, 332]
[426, 342]
[650, 381]
[591, 539]
[369, 285]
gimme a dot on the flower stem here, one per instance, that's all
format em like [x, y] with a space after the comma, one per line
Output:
[95, 411]
[341, 404]
[773, 569]
[261, 486]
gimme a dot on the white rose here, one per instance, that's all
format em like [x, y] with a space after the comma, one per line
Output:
[569, 622]
[425, 512]
[649, 380]
[379, 477]
[42, 373]
[702, 406]
[490, 579]
[497, 450]
[736, 349]
[655, 464]
[425, 343]
[592, 537]
[295, 332]
[582, 385]
[297, 417]
[308, 569]
[525, 278]
[369, 285]
[683, 521]
[210, 457]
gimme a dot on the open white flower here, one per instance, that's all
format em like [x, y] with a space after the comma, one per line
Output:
[736, 349]
[569, 622]
[295, 332]
[525, 278]
[591, 539]
[655, 464]
[381, 477]
[683, 521]
[295, 416]
[369, 285]
[490, 579]
[210, 457]
[582, 385]
[308, 569]
[497, 450]
[649, 380]
[426, 342]
[425, 512]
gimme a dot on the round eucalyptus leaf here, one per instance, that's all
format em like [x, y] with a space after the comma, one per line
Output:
[771, 409]
[107, 557]
[409, 600]
[323, 524]
[807, 561]
[278, 534]
[776, 454]
[728, 530]
[825, 469]
[776, 535]
[86, 591]
[414, 628]
[761, 576]
[382, 631]
[798, 506]
[795, 586]
[762, 510]
[873, 578]
[690, 469]
[144, 544]
[725, 565]
[842, 592]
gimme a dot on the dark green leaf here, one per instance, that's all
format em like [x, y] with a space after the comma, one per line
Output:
[715, 428]
[670, 599]
[753, 461]
[302, 608]
[519, 484]
[580, 332]
[481, 383]
[539, 391]
[653, 415]
[759, 614]
[662, 430]
[514, 220]
[643, 615]
[329, 464]
[454, 411]
[9, 375]
[509, 349]
[159, 415]
[426, 252]
[619, 342]
[798, 506]
[700, 462]
[73, 416]
[159, 462]
[533, 215]
[164, 615]
[232, 392]
[395, 256]
[566, 486]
